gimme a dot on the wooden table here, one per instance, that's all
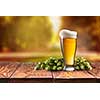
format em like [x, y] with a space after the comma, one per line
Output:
[23, 72]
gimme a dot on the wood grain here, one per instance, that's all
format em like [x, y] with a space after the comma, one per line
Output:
[71, 75]
[7, 69]
[26, 70]
[96, 69]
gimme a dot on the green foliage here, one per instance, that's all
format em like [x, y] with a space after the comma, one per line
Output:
[51, 64]
[82, 63]
[57, 64]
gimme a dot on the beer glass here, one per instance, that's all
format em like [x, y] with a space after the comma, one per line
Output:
[68, 42]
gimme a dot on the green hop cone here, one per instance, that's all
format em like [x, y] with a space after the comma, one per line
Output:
[47, 68]
[37, 67]
[43, 65]
[77, 68]
[59, 68]
[52, 59]
[54, 68]
[56, 61]
[88, 66]
[51, 64]
[82, 67]
[46, 62]
[59, 63]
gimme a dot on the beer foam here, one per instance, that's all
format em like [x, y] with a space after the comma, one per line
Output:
[68, 34]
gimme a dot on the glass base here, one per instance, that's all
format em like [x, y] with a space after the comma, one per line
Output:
[69, 68]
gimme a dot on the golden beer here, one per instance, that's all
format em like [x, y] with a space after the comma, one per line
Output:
[69, 46]
[68, 41]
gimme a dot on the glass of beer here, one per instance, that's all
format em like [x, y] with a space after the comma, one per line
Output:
[68, 42]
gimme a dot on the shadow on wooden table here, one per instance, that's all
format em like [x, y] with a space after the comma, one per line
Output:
[27, 80]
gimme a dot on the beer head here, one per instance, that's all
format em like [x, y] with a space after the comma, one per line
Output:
[68, 34]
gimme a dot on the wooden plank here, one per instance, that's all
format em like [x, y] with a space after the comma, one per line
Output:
[96, 69]
[71, 75]
[7, 69]
[26, 70]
